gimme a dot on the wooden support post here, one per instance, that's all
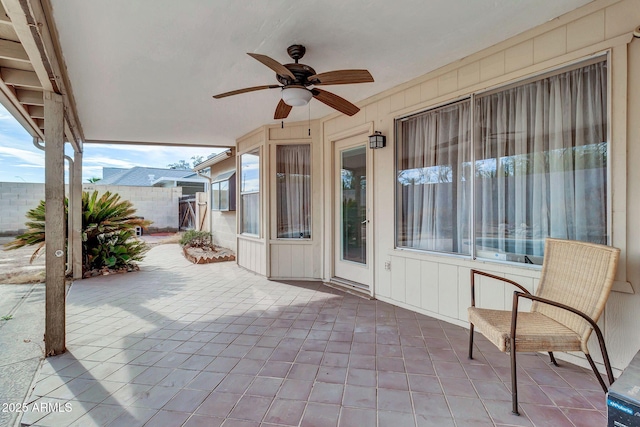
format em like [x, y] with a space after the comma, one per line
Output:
[76, 234]
[54, 337]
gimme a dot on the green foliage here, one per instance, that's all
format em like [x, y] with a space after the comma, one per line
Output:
[197, 239]
[108, 230]
[7, 317]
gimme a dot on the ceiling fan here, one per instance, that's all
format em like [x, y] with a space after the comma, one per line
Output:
[298, 84]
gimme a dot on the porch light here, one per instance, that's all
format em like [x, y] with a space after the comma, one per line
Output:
[377, 140]
[296, 96]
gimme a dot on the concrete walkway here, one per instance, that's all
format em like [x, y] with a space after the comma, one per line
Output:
[188, 345]
[21, 344]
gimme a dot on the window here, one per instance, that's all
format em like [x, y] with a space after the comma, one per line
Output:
[433, 180]
[250, 193]
[223, 192]
[539, 169]
[293, 191]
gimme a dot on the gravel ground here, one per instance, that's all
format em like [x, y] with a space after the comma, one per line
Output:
[15, 267]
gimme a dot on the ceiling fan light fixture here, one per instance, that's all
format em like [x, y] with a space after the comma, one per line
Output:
[296, 96]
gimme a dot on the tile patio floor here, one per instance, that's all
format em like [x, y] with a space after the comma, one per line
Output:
[214, 345]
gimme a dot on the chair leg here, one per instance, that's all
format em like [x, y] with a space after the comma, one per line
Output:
[514, 379]
[553, 359]
[470, 340]
[595, 371]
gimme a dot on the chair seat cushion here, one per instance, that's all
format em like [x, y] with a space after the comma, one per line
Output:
[534, 331]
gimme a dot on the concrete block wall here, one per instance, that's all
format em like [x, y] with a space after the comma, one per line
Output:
[156, 204]
[16, 199]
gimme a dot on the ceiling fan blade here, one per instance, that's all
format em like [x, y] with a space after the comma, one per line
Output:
[334, 101]
[341, 77]
[282, 110]
[273, 64]
[245, 90]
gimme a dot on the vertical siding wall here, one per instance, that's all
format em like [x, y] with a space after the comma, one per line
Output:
[157, 204]
[439, 285]
[223, 223]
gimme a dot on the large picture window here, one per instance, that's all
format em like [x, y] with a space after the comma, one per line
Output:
[433, 180]
[250, 193]
[293, 191]
[539, 169]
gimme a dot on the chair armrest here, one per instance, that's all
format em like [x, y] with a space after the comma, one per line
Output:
[492, 276]
[601, 343]
[555, 304]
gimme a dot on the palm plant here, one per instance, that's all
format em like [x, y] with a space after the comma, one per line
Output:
[108, 228]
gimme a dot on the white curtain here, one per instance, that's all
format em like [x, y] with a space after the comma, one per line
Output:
[541, 163]
[293, 175]
[434, 180]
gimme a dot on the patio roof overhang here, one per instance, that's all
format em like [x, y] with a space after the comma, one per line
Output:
[144, 72]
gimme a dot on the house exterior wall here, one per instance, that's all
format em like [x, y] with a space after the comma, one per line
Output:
[438, 285]
[223, 223]
[156, 204]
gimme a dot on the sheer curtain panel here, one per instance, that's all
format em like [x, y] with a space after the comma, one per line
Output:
[541, 164]
[433, 180]
[293, 191]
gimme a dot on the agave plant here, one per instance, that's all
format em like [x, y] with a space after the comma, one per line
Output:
[108, 229]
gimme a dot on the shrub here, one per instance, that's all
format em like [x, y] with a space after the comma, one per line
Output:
[197, 239]
[108, 230]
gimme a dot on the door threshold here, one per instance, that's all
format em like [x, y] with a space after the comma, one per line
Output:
[349, 287]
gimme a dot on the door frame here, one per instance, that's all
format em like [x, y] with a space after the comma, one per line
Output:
[331, 245]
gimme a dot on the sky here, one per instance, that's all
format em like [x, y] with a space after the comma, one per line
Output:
[20, 161]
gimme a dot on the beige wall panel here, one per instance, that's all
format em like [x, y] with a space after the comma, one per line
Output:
[429, 282]
[490, 293]
[413, 282]
[448, 82]
[550, 45]
[620, 17]
[464, 292]
[586, 31]
[397, 101]
[429, 90]
[518, 57]
[275, 261]
[371, 112]
[527, 282]
[492, 67]
[469, 75]
[288, 256]
[384, 107]
[448, 290]
[412, 96]
[398, 279]
[309, 264]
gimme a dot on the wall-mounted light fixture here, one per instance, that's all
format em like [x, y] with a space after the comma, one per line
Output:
[377, 140]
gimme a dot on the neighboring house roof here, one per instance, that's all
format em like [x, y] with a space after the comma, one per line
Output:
[144, 177]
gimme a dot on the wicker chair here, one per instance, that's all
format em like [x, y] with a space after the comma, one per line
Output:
[574, 286]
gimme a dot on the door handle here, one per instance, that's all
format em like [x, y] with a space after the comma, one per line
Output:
[365, 221]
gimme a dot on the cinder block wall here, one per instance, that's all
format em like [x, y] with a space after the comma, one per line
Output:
[157, 204]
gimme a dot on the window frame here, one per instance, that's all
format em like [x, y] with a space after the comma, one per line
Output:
[255, 152]
[275, 195]
[231, 190]
[472, 96]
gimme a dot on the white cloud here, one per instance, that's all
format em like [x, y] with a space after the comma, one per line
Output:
[30, 157]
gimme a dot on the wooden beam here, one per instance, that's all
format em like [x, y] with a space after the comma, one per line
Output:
[40, 123]
[13, 50]
[20, 78]
[76, 233]
[9, 99]
[36, 111]
[55, 329]
[30, 97]
[34, 24]
[4, 19]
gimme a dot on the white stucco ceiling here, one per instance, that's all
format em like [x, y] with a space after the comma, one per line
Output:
[145, 70]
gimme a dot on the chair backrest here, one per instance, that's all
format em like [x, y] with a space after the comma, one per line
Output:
[577, 274]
